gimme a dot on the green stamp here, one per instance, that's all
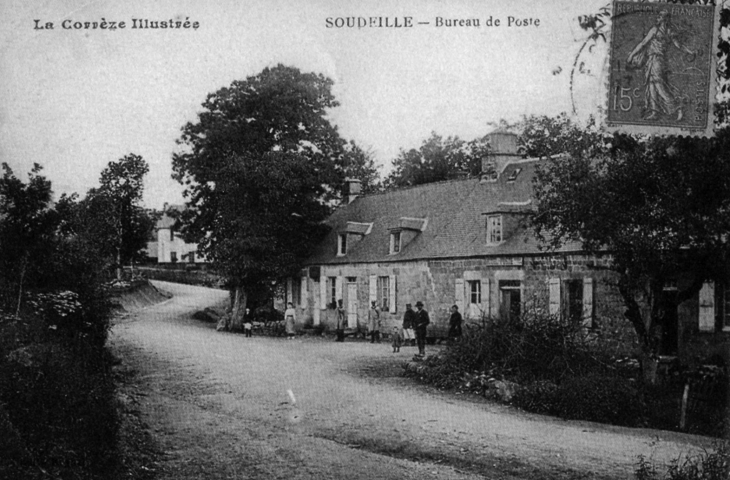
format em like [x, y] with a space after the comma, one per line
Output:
[662, 76]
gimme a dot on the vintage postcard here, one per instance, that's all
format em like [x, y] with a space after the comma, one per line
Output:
[662, 70]
[361, 292]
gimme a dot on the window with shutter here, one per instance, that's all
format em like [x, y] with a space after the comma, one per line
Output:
[554, 291]
[707, 306]
[373, 290]
[383, 293]
[588, 303]
[475, 291]
[392, 292]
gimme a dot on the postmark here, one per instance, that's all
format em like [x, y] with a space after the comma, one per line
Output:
[662, 69]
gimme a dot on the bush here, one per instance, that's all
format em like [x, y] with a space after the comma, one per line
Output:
[57, 398]
[594, 397]
[558, 369]
[601, 398]
[539, 397]
[534, 347]
[712, 465]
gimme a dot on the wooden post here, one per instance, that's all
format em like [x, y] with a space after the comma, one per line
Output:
[683, 414]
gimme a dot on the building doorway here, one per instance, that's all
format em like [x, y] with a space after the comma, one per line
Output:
[510, 299]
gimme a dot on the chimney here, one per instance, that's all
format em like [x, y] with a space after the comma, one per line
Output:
[502, 150]
[352, 189]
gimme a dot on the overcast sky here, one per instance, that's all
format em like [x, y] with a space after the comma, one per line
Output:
[75, 99]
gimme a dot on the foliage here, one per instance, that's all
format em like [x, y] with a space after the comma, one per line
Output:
[56, 390]
[533, 347]
[360, 164]
[437, 159]
[709, 465]
[111, 216]
[598, 397]
[556, 366]
[27, 229]
[659, 219]
[545, 136]
[58, 400]
[262, 167]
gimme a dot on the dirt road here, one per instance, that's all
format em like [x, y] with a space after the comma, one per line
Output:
[224, 406]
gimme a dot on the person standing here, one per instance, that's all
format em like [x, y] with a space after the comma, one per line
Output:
[421, 327]
[455, 322]
[290, 316]
[247, 323]
[374, 322]
[409, 321]
[397, 341]
[340, 330]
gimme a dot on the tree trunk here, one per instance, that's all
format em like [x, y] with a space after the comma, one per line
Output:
[633, 315]
[238, 308]
[20, 285]
[119, 263]
[647, 360]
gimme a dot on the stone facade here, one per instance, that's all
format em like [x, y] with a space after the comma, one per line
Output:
[465, 242]
[573, 285]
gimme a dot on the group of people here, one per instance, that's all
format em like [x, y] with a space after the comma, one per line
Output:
[414, 327]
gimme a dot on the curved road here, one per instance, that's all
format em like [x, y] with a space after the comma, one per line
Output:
[224, 406]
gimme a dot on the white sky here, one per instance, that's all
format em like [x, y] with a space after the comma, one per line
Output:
[73, 100]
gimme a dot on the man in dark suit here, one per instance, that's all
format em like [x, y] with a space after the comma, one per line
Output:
[421, 326]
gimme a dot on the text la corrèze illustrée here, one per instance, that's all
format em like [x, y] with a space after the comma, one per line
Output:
[135, 23]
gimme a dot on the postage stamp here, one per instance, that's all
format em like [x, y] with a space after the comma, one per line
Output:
[662, 77]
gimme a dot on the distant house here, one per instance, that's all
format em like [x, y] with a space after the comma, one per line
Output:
[466, 242]
[171, 248]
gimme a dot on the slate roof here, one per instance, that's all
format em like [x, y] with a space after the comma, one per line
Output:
[166, 221]
[357, 228]
[455, 220]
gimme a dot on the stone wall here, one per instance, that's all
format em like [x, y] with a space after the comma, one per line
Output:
[438, 283]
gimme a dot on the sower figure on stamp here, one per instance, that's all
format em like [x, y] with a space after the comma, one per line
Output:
[653, 54]
[421, 327]
[409, 321]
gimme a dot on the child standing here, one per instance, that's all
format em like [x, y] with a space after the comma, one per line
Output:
[397, 340]
[247, 323]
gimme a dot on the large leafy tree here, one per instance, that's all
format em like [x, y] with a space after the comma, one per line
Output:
[111, 216]
[659, 206]
[360, 163]
[27, 231]
[262, 166]
[437, 159]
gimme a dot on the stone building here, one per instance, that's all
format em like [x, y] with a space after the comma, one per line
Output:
[171, 248]
[467, 242]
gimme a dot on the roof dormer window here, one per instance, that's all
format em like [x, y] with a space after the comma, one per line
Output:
[341, 244]
[494, 229]
[513, 176]
[394, 242]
